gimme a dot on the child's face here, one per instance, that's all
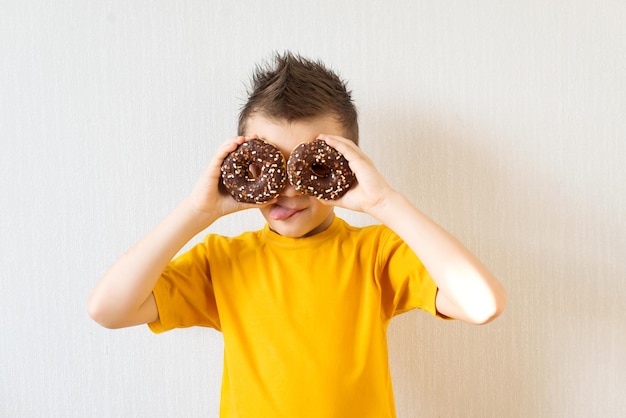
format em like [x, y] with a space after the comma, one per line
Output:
[294, 214]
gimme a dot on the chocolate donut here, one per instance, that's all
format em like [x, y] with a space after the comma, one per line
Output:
[316, 169]
[254, 172]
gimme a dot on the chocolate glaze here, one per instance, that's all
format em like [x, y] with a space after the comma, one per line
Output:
[316, 169]
[254, 172]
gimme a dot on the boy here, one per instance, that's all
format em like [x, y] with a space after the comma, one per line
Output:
[304, 303]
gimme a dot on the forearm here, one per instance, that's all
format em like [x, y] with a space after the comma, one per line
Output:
[119, 297]
[468, 290]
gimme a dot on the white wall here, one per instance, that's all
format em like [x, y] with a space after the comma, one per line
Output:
[503, 120]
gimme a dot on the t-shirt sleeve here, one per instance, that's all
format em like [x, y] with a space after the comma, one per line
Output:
[405, 282]
[184, 293]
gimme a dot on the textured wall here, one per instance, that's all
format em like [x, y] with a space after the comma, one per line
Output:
[502, 120]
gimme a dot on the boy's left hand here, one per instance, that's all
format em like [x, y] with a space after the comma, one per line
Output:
[371, 189]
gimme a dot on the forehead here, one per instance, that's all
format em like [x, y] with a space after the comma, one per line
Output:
[287, 135]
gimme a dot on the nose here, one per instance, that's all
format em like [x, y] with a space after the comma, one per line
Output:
[289, 191]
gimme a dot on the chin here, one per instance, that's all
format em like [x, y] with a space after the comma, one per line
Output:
[300, 225]
[286, 231]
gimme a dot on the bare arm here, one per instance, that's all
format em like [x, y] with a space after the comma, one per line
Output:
[123, 296]
[467, 289]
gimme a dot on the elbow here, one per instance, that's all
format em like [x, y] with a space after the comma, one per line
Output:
[98, 311]
[491, 309]
[477, 308]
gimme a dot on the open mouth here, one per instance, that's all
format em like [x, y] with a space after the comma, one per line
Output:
[280, 213]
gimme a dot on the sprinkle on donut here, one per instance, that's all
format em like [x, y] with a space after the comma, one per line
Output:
[316, 169]
[254, 172]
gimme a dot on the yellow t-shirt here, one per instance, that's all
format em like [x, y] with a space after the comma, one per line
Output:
[304, 320]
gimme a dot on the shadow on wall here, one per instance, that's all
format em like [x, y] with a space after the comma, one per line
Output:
[502, 203]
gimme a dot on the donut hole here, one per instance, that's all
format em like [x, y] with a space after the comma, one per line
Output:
[320, 170]
[254, 171]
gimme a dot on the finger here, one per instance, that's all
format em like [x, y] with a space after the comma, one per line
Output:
[226, 148]
[345, 146]
[232, 143]
[336, 140]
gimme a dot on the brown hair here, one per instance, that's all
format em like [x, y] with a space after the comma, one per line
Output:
[295, 88]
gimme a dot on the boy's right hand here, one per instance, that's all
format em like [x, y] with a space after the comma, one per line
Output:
[123, 296]
[208, 197]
